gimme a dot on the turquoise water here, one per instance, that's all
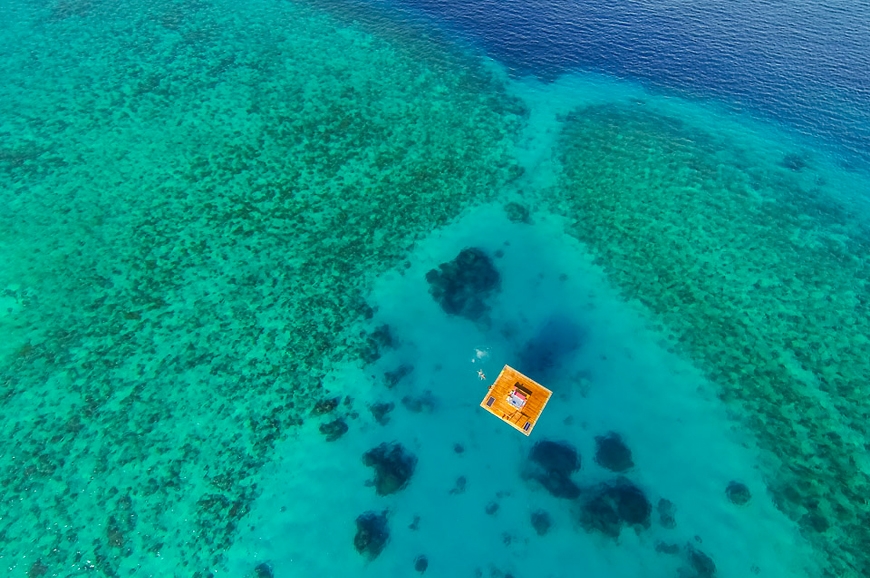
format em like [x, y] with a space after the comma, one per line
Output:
[217, 224]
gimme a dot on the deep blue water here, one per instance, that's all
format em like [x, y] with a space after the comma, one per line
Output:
[806, 64]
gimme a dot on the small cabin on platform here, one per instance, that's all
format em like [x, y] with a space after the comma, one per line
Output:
[516, 399]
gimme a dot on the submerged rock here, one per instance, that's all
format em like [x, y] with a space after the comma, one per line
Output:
[393, 466]
[372, 534]
[612, 453]
[551, 464]
[738, 493]
[462, 286]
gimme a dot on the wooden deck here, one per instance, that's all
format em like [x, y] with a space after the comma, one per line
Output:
[531, 395]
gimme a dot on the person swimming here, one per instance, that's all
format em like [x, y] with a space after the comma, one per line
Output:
[480, 374]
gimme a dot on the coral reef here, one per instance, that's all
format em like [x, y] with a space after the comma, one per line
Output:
[393, 466]
[701, 564]
[325, 405]
[738, 493]
[195, 224]
[423, 403]
[376, 342]
[755, 271]
[517, 213]
[372, 534]
[393, 377]
[415, 523]
[459, 486]
[666, 548]
[551, 464]
[463, 285]
[696, 564]
[381, 411]
[667, 514]
[614, 505]
[612, 453]
[794, 162]
[334, 429]
[541, 522]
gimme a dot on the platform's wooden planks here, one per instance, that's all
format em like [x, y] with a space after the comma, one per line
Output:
[502, 388]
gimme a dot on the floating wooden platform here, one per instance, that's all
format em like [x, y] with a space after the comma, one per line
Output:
[516, 399]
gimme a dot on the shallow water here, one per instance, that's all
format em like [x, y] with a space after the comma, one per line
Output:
[217, 225]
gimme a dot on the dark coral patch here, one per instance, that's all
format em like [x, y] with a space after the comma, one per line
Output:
[462, 286]
[815, 521]
[738, 493]
[325, 406]
[632, 504]
[381, 411]
[376, 342]
[421, 563]
[794, 162]
[517, 213]
[666, 510]
[392, 378]
[665, 548]
[615, 505]
[702, 565]
[37, 570]
[612, 453]
[551, 464]
[555, 456]
[383, 336]
[541, 522]
[334, 429]
[393, 466]
[372, 534]
[424, 403]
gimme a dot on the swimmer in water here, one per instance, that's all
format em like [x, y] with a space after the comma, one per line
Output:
[480, 374]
